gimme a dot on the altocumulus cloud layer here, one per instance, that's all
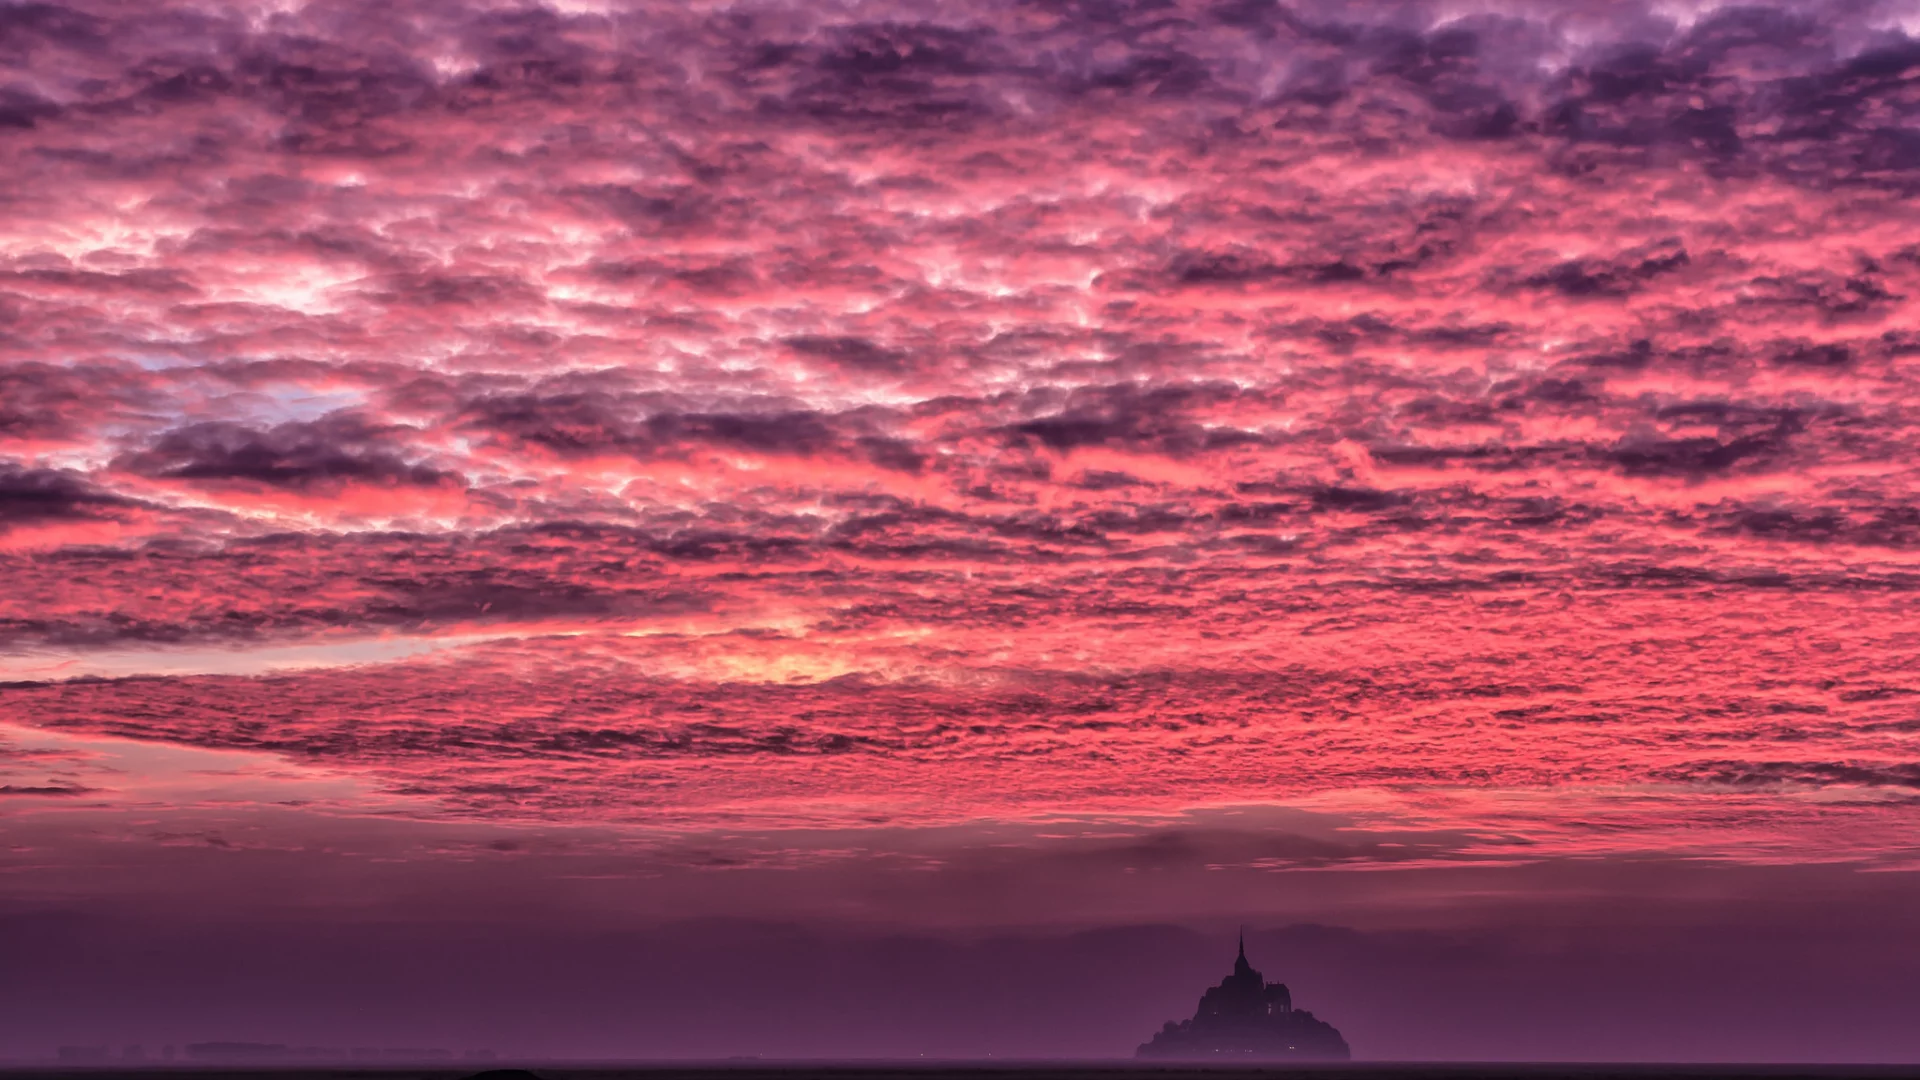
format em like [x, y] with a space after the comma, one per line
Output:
[1498, 416]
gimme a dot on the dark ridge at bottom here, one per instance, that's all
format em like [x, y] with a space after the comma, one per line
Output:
[1010, 1070]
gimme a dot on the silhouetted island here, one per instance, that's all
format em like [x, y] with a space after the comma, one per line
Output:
[1246, 1018]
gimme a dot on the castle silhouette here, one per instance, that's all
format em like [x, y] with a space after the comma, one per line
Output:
[1246, 1018]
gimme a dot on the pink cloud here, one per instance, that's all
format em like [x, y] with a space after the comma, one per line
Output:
[1020, 413]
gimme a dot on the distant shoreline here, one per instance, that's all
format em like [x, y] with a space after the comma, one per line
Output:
[876, 1069]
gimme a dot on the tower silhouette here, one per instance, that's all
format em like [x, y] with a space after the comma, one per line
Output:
[1246, 1018]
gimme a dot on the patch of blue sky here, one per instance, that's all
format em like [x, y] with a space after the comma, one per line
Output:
[292, 403]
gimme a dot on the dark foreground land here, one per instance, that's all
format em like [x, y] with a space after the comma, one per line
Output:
[805, 1070]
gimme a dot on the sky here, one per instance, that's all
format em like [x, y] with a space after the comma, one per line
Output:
[852, 528]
